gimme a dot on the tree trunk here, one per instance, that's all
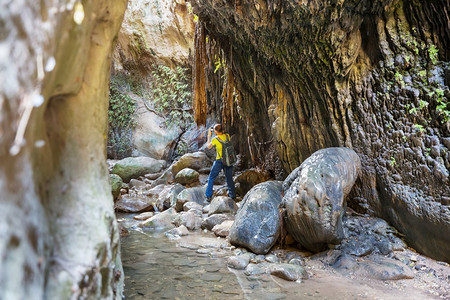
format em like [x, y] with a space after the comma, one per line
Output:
[59, 236]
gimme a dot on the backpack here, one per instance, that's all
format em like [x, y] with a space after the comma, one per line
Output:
[228, 155]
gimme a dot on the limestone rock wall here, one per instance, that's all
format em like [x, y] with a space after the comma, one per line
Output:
[372, 76]
[58, 234]
[160, 31]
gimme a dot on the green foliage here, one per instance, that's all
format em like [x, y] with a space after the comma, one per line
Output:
[443, 107]
[422, 104]
[120, 119]
[172, 95]
[398, 77]
[433, 54]
[413, 110]
[392, 161]
[419, 127]
[422, 74]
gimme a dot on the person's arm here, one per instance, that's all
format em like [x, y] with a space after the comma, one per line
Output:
[209, 141]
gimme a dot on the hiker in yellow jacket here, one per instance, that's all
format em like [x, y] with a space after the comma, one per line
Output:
[218, 165]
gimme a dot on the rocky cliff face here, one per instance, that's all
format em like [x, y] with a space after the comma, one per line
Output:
[152, 32]
[58, 234]
[155, 36]
[372, 76]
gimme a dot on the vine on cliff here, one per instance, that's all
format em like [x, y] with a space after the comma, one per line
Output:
[172, 95]
[120, 119]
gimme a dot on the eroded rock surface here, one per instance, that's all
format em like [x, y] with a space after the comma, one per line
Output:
[368, 75]
[315, 197]
[257, 222]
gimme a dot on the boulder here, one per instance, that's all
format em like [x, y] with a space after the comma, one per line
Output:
[222, 204]
[189, 219]
[192, 206]
[216, 219]
[116, 185]
[136, 183]
[168, 196]
[154, 192]
[257, 222]
[250, 178]
[165, 178]
[223, 229]
[238, 262]
[134, 204]
[374, 267]
[195, 194]
[133, 167]
[187, 176]
[144, 216]
[314, 197]
[149, 138]
[196, 161]
[160, 221]
[290, 272]
[179, 231]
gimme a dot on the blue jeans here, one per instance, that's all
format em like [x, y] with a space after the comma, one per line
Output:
[215, 170]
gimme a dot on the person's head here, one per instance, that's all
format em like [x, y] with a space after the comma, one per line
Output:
[218, 129]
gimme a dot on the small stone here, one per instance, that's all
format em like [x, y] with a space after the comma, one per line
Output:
[288, 272]
[272, 258]
[144, 216]
[203, 251]
[223, 229]
[238, 262]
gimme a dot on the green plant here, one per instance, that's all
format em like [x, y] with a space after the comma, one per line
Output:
[120, 119]
[399, 78]
[172, 95]
[433, 54]
[392, 161]
[419, 127]
[422, 74]
[442, 106]
[413, 110]
[427, 151]
[422, 104]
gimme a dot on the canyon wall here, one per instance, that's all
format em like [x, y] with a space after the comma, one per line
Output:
[372, 76]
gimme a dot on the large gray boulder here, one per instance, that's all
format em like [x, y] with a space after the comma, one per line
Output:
[314, 197]
[257, 222]
[196, 161]
[160, 221]
[133, 167]
[168, 196]
[134, 204]
[187, 176]
[222, 204]
[195, 194]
